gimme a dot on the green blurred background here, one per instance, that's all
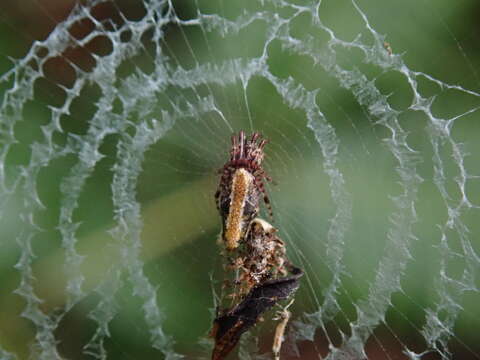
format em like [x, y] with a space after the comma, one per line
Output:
[176, 186]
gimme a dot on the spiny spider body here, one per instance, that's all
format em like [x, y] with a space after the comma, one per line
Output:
[241, 186]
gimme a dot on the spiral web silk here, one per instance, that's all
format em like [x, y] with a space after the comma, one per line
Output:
[164, 97]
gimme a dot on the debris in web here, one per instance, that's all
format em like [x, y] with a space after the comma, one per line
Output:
[255, 260]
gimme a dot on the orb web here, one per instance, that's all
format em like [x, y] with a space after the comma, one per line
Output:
[115, 118]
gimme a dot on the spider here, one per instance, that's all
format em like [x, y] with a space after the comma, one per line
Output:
[241, 186]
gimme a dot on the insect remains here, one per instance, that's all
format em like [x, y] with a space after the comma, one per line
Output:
[260, 256]
[283, 316]
[258, 273]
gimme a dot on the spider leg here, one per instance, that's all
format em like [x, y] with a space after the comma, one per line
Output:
[268, 178]
[262, 144]
[254, 137]
[233, 150]
[242, 143]
[266, 199]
